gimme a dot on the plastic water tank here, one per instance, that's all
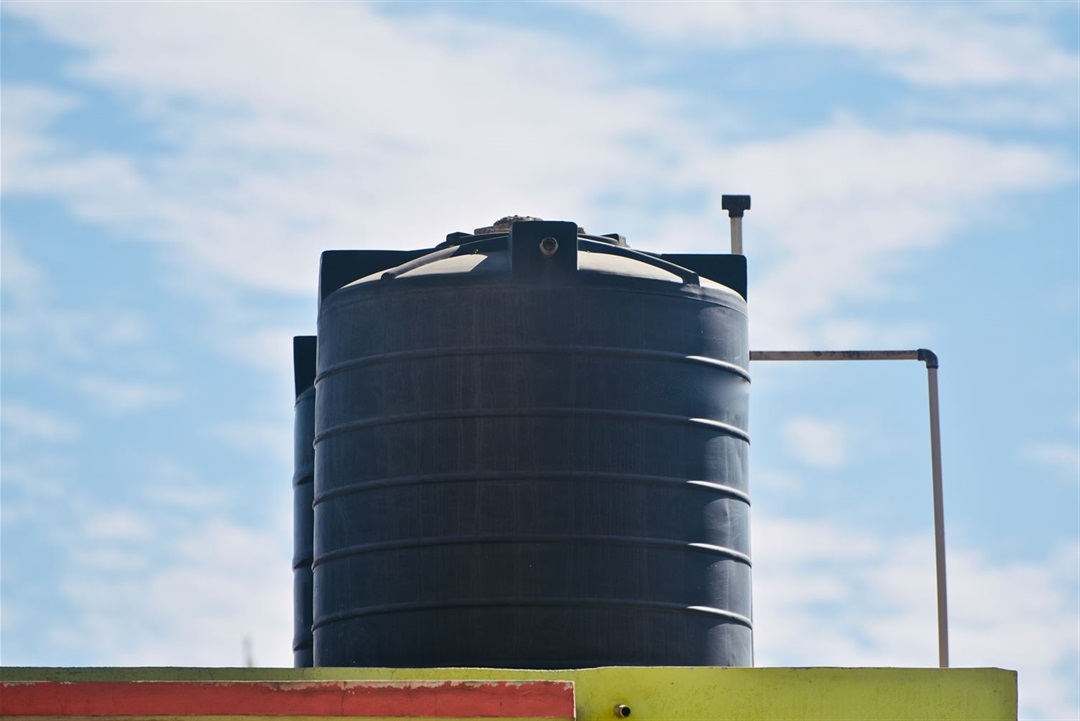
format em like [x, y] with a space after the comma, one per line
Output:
[303, 484]
[531, 452]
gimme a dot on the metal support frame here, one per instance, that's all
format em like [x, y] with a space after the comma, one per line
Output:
[931, 361]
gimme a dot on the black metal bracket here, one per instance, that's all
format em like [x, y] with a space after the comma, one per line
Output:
[338, 268]
[303, 354]
[543, 247]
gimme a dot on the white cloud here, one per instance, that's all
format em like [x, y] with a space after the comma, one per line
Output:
[771, 480]
[851, 333]
[297, 163]
[40, 331]
[272, 160]
[1063, 458]
[164, 579]
[268, 349]
[995, 111]
[940, 45]
[826, 594]
[218, 584]
[121, 396]
[110, 560]
[160, 583]
[23, 422]
[116, 525]
[844, 210]
[818, 443]
[264, 438]
[172, 486]
[29, 488]
[25, 109]
[21, 280]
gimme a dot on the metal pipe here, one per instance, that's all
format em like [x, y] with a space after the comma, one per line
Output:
[930, 359]
[736, 236]
[939, 518]
[736, 206]
[832, 355]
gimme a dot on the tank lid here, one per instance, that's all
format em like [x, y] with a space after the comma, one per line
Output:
[536, 249]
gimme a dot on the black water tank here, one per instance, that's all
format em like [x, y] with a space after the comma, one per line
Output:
[531, 452]
[303, 493]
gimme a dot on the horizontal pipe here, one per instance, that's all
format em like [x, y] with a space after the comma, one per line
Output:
[833, 355]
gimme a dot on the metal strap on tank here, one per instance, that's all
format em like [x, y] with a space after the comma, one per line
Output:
[729, 616]
[572, 476]
[625, 353]
[720, 426]
[498, 243]
[516, 538]
[585, 244]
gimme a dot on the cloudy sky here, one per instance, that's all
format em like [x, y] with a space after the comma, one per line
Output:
[171, 172]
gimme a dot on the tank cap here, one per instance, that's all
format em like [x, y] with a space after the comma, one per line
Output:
[502, 225]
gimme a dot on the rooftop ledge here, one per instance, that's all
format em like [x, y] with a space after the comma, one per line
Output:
[638, 693]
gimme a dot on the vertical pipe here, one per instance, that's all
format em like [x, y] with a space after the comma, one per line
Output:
[736, 235]
[736, 206]
[939, 517]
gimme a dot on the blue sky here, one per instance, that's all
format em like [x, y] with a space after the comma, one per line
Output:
[172, 171]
